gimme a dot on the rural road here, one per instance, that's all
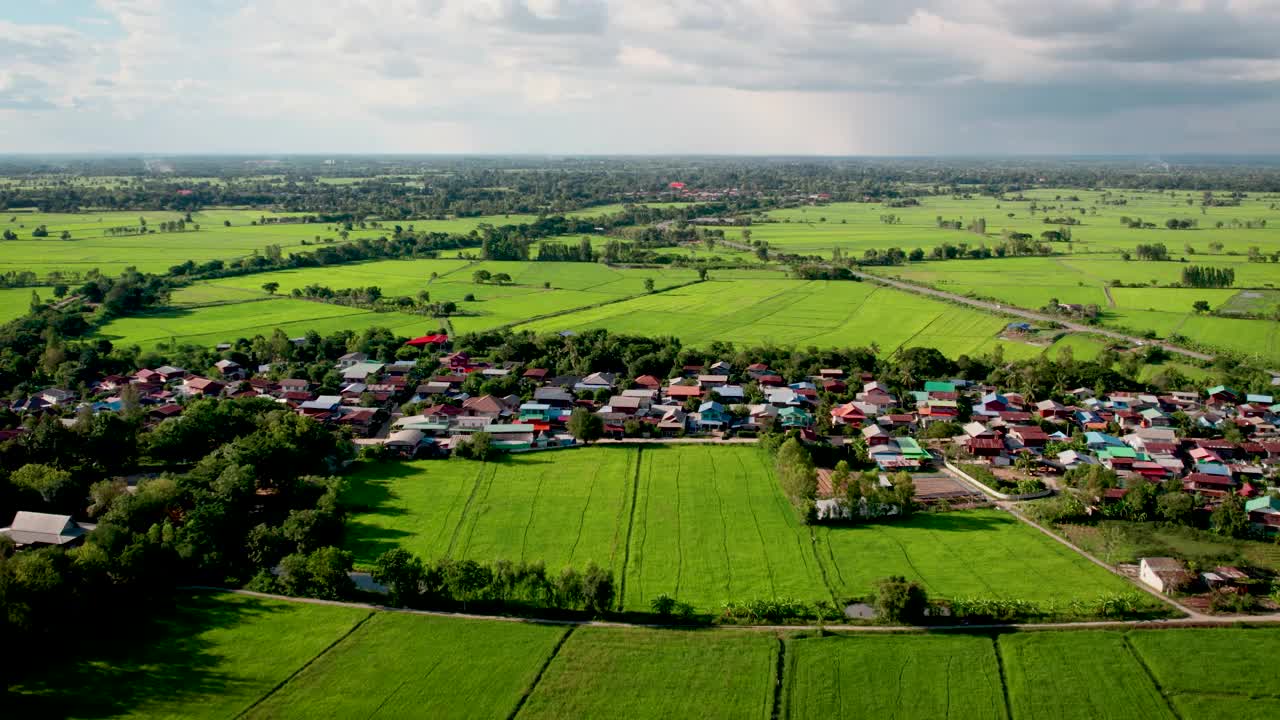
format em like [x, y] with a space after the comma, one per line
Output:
[1200, 621]
[1029, 315]
[1015, 311]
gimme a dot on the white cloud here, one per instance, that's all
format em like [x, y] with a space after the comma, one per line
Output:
[762, 76]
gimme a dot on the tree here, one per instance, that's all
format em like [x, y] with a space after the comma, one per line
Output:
[502, 278]
[702, 273]
[648, 284]
[1175, 506]
[1230, 518]
[597, 588]
[796, 474]
[271, 287]
[56, 488]
[1200, 306]
[840, 477]
[585, 426]
[480, 276]
[899, 601]
[402, 572]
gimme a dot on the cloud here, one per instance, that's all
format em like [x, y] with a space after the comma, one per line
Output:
[658, 75]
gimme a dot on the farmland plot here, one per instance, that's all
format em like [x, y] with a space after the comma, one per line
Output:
[978, 553]
[639, 673]
[563, 508]
[213, 657]
[1080, 674]
[398, 666]
[711, 525]
[865, 676]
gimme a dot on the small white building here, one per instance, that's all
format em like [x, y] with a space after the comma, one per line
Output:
[1164, 574]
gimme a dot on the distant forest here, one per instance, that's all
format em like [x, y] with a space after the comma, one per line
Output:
[401, 187]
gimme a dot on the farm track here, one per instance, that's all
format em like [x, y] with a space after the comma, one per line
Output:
[1029, 315]
[1188, 622]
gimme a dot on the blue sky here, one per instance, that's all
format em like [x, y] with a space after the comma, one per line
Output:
[658, 76]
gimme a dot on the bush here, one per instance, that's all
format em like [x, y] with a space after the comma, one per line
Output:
[900, 601]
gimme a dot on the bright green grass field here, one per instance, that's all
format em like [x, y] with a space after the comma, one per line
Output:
[710, 525]
[978, 553]
[91, 248]
[400, 666]
[1034, 282]
[1079, 674]
[638, 673]
[214, 324]
[854, 227]
[866, 676]
[563, 508]
[213, 658]
[792, 312]
[16, 302]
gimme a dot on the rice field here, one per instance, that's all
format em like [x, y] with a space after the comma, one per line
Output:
[1084, 279]
[863, 676]
[221, 655]
[640, 673]
[223, 310]
[792, 312]
[709, 525]
[213, 657]
[90, 247]
[398, 665]
[1080, 674]
[213, 324]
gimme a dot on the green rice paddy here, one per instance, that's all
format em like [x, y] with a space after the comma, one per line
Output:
[220, 655]
[709, 525]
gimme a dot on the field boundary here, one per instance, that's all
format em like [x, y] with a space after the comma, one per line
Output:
[780, 676]
[568, 311]
[1186, 622]
[1155, 682]
[1004, 680]
[631, 521]
[533, 685]
[351, 631]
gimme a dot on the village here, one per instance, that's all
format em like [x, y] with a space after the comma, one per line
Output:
[1216, 444]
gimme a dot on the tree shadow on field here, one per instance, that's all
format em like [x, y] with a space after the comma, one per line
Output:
[932, 522]
[161, 657]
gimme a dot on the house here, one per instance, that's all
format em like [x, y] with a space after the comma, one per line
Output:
[680, 393]
[627, 405]
[202, 387]
[1222, 395]
[794, 417]
[1053, 410]
[1164, 574]
[720, 367]
[322, 405]
[755, 370]
[538, 413]
[361, 371]
[1029, 436]
[648, 382]
[169, 373]
[875, 435]
[1209, 484]
[148, 377]
[484, 406]
[456, 361]
[295, 385]
[536, 375]
[553, 396]
[730, 393]
[938, 386]
[56, 397]
[407, 441]
[596, 381]
[229, 369]
[1155, 417]
[712, 416]
[848, 414]
[1070, 459]
[36, 528]
[1264, 512]
[351, 358]
[991, 404]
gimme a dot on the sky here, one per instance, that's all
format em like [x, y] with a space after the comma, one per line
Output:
[751, 77]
